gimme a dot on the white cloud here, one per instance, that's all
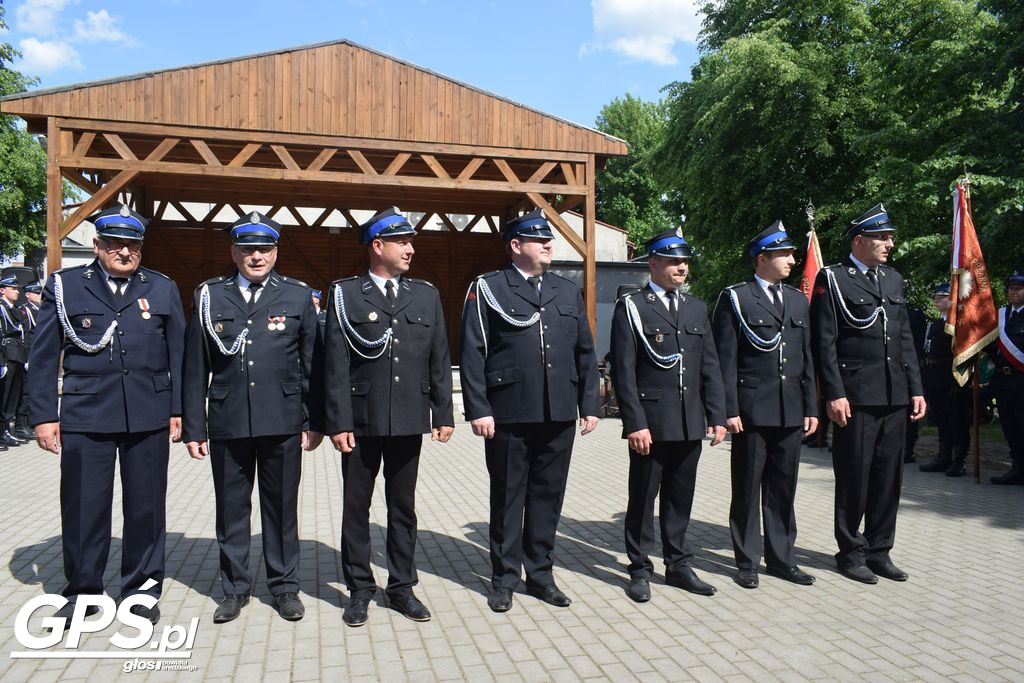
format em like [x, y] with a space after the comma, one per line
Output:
[101, 27]
[39, 16]
[644, 30]
[45, 56]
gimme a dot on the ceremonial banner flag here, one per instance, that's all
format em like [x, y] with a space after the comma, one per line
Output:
[812, 264]
[972, 320]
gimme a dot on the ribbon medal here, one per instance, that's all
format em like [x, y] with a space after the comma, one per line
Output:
[144, 307]
[276, 323]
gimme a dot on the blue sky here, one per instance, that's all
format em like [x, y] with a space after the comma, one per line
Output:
[564, 57]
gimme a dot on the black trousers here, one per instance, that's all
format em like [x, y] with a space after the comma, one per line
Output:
[277, 461]
[528, 465]
[13, 383]
[1010, 404]
[86, 496]
[765, 464]
[867, 458]
[401, 457]
[671, 469]
[951, 410]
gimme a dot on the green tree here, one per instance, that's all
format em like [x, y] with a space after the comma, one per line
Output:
[22, 168]
[628, 193]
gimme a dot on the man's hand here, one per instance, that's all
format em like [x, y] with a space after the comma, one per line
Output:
[734, 424]
[640, 441]
[175, 429]
[810, 425]
[839, 411]
[483, 426]
[587, 424]
[197, 449]
[717, 434]
[441, 434]
[344, 441]
[917, 408]
[311, 439]
[48, 436]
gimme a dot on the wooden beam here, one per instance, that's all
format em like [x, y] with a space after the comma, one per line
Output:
[54, 197]
[123, 150]
[297, 216]
[285, 157]
[94, 203]
[569, 203]
[397, 163]
[348, 217]
[431, 161]
[84, 143]
[447, 221]
[491, 225]
[244, 155]
[471, 168]
[364, 165]
[161, 150]
[542, 172]
[205, 152]
[79, 180]
[322, 158]
[556, 219]
[472, 222]
[423, 221]
[590, 237]
[506, 171]
[322, 217]
[570, 177]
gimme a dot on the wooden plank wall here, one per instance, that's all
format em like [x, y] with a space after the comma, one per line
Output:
[448, 260]
[336, 89]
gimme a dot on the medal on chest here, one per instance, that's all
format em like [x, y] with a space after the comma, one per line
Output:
[276, 322]
[144, 309]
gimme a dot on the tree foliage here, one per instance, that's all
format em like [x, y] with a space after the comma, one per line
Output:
[848, 102]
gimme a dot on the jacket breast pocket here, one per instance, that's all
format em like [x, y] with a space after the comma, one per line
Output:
[287, 316]
[89, 326]
[800, 322]
[659, 336]
[218, 392]
[693, 340]
[419, 325]
[570, 318]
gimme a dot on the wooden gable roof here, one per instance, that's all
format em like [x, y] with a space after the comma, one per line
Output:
[337, 89]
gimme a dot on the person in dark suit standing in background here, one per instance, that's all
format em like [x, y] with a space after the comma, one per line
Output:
[669, 386]
[763, 335]
[528, 369]
[1008, 381]
[248, 359]
[871, 384]
[389, 381]
[950, 406]
[117, 330]
[29, 318]
[12, 339]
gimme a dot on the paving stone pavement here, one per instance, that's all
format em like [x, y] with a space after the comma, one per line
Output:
[959, 617]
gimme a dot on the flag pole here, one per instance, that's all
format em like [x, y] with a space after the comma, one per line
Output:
[976, 369]
[822, 431]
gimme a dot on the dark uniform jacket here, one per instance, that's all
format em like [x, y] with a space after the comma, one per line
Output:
[265, 390]
[655, 398]
[12, 334]
[766, 388]
[408, 388]
[876, 366]
[131, 385]
[504, 370]
[1007, 378]
[29, 317]
[937, 371]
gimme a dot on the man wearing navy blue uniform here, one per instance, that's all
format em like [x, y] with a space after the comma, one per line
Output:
[528, 370]
[12, 339]
[389, 381]
[763, 335]
[871, 385]
[1008, 381]
[29, 311]
[669, 387]
[248, 358]
[117, 331]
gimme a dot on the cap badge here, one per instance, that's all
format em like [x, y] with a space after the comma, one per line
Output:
[254, 218]
[125, 211]
[679, 233]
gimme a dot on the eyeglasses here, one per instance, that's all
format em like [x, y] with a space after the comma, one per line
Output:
[883, 238]
[256, 248]
[115, 246]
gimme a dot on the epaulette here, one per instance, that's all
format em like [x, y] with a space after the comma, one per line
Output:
[293, 281]
[154, 272]
[419, 281]
[792, 287]
[481, 277]
[633, 289]
[345, 279]
[561, 277]
[734, 286]
[71, 268]
[213, 280]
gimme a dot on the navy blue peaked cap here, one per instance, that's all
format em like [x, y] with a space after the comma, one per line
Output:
[670, 243]
[120, 222]
[255, 230]
[388, 223]
[532, 224]
[772, 238]
[872, 221]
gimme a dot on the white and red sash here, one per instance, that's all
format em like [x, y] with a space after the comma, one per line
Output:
[1011, 352]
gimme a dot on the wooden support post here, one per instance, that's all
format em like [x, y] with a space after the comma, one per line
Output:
[590, 238]
[54, 196]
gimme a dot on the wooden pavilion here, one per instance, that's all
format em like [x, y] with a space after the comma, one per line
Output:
[327, 129]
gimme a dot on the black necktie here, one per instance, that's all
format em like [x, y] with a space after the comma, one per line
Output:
[873, 276]
[389, 292]
[776, 291]
[672, 310]
[534, 281]
[254, 290]
[120, 284]
[1013, 316]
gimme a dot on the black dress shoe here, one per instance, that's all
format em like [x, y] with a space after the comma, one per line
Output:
[746, 578]
[289, 606]
[936, 465]
[639, 589]
[887, 570]
[859, 573]
[688, 581]
[792, 574]
[151, 613]
[25, 434]
[956, 469]
[410, 607]
[550, 594]
[357, 612]
[8, 439]
[500, 600]
[1014, 476]
[68, 610]
[229, 608]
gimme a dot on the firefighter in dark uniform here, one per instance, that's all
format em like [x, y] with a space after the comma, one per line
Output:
[763, 335]
[12, 339]
[871, 385]
[117, 330]
[29, 317]
[1008, 381]
[528, 370]
[248, 358]
[389, 381]
[669, 386]
[950, 406]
